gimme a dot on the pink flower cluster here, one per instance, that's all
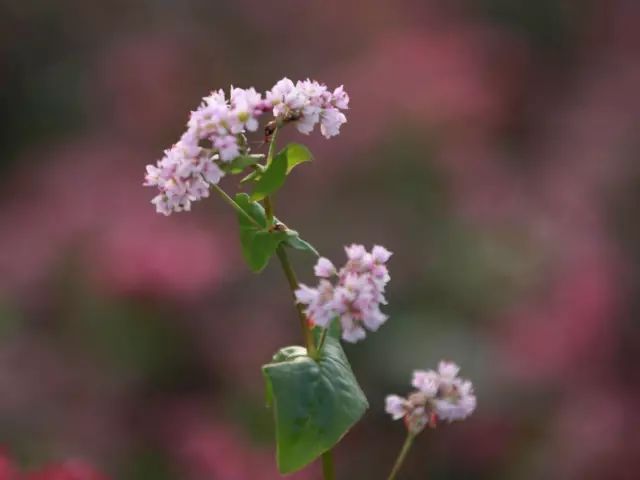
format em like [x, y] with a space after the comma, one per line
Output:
[440, 395]
[216, 134]
[356, 296]
[183, 175]
[308, 103]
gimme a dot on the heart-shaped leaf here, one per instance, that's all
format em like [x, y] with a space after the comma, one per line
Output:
[315, 402]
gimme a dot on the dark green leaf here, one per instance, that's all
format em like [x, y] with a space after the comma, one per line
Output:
[315, 402]
[258, 242]
[289, 353]
[282, 355]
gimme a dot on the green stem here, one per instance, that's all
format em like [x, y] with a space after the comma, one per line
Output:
[268, 210]
[272, 145]
[235, 206]
[328, 470]
[323, 337]
[268, 206]
[293, 285]
[402, 455]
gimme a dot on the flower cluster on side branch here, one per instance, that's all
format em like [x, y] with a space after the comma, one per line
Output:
[439, 395]
[355, 296]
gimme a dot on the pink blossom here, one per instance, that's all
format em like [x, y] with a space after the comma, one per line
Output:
[440, 395]
[355, 298]
[308, 103]
[324, 268]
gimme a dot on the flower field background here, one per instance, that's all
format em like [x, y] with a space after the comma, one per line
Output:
[492, 145]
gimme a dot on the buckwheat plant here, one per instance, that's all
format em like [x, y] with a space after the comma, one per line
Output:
[311, 389]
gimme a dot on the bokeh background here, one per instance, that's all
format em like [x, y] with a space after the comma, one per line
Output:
[492, 145]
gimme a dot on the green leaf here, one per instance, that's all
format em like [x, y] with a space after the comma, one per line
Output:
[276, 172]
[258, 242]
[255, 175]
[240, 163]
[334, 330]
[283, 355]
[296, 154]
[272, 178]
[294, 241]
[315, 402]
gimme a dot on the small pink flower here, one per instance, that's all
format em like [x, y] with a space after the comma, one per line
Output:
[396, 406]
[324, 268]
[355, 298]
[440, 395]
[308, 103]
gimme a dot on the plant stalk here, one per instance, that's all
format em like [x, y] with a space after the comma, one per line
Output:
[328, 470]
[323, 337]
[272, 145]
[402, 456]
[235, 206]
[268, 210]
[268, 206]
[293, 285]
